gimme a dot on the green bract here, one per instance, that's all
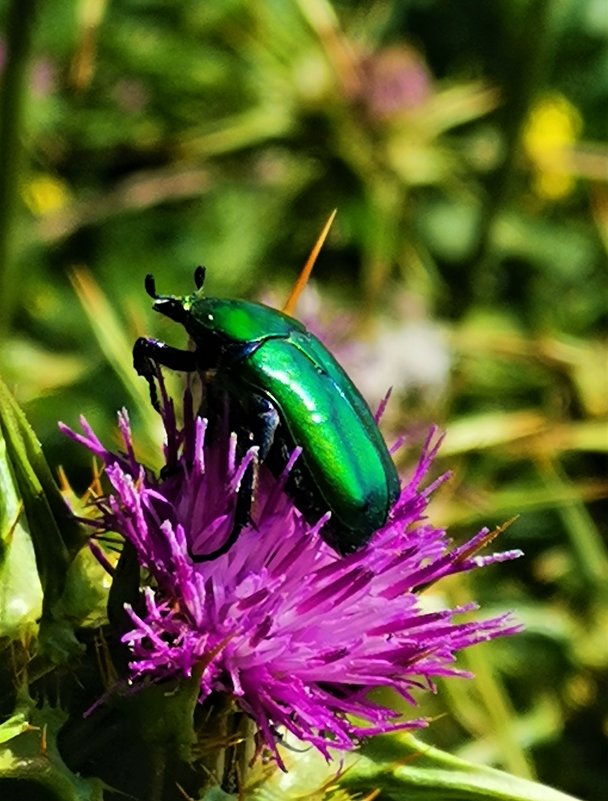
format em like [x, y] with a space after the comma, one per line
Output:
[289, 392]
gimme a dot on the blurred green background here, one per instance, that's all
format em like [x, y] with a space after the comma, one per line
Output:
[463, 144]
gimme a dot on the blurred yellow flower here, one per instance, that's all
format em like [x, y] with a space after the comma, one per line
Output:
[551, 130]
[43, 194]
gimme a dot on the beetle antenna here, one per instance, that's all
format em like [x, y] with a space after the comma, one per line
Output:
[150, 285]
[292, 300]
[199, 276]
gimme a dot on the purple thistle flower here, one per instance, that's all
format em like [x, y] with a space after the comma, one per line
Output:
[295, 634]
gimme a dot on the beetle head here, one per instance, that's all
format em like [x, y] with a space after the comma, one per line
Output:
[172, 306]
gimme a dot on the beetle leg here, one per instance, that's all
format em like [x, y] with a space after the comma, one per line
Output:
[241, 518]
[147, 353]
[262, 422]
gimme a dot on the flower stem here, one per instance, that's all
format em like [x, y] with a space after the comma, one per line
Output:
[496, 705]
[19, 27]
[535, 44]
[499, 712]
[156, 784]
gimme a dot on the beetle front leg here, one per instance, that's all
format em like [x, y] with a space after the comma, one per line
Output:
[147, 353]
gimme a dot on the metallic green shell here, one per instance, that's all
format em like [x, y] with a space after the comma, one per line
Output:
[343, 451]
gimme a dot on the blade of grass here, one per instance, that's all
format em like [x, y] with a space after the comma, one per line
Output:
[585, 539]
[114, 342]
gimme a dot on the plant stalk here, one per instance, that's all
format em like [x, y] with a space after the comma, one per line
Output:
[20, 22]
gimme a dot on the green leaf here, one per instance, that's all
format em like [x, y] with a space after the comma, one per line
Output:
[403, 767]
[35, 521]
[13, 727]
[20, 588]
[29, 755]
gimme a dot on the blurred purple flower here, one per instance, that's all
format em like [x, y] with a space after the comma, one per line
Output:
[295, 634]
[43, 75]
[395, 80]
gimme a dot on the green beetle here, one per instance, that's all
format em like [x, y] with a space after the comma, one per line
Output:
[290, 392]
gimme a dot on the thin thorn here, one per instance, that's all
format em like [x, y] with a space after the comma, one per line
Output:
[292, 300]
